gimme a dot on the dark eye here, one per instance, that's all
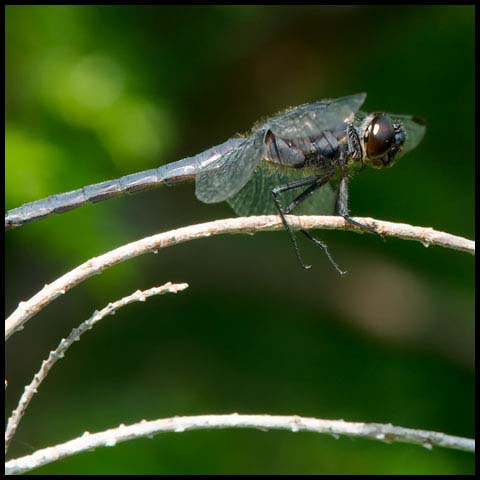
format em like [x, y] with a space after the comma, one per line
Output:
[379, 136]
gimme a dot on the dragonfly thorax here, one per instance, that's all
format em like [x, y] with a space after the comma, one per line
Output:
[323, 151]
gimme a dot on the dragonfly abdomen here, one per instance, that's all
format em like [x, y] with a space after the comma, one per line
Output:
[169, 174]
[66, 201]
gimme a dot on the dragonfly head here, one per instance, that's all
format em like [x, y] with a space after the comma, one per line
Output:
[388, 137]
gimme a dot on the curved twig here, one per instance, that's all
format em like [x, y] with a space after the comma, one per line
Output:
[59, 352]
[109, 438]
[96, 265]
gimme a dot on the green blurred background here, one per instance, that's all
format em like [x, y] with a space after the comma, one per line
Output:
[93, 93]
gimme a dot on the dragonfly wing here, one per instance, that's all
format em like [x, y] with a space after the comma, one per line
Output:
[227, 175]
[414, 128]
[311, 119]
[255, 198]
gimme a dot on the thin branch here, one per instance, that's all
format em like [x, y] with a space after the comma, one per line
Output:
[64, 345]
[96, 265]
[109, 438]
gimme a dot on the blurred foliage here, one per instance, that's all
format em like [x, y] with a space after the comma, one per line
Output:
[95, 92]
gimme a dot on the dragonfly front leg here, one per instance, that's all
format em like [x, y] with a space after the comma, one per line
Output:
[342, 207]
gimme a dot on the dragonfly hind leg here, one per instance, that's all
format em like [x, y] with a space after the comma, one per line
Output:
[285, 188]
[315, 183]
[323, 245]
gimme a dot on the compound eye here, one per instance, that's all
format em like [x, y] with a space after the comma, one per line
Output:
[379, 136]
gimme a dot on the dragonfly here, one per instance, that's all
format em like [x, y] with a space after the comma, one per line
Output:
[300, 160]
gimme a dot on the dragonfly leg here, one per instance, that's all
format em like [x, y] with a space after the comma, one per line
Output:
[314, 182]
[301, 198]
[285, 188]
[342, 208]
[323, 245]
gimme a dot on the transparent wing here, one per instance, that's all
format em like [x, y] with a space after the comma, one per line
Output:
[414, 128]
[226, 175]
[312, 118]
[255, 198]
